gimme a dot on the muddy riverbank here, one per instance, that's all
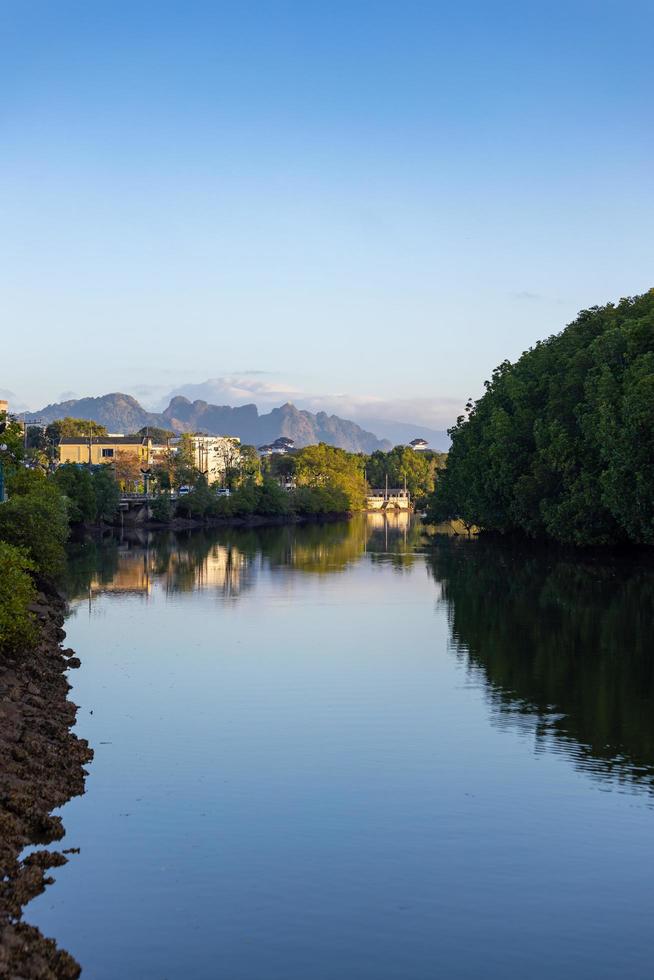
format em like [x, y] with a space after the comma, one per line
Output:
[42, 768]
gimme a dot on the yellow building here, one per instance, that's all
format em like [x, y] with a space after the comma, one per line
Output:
[105, 449]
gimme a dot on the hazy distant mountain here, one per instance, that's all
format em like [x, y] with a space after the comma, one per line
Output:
[392, 419]
[303, 427]
[401, 433]
[118, 412]
[122, 413]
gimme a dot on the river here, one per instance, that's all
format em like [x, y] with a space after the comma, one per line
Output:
[341, 753]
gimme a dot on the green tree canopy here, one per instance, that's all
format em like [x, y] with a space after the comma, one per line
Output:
[76, 484]
[17, 624]
[332, 471]
[70, 428]
[185, 472]
[12, 437]
[404, 463]
[158, 435]
[561, 445]
[106, 492]
[250, 466]
[37, 522]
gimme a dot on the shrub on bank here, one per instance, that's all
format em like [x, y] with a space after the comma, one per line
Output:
[198, 502]
[161, 509]
[107, 494]
[265, 499]
[272, 500]
[37, 521]
[316, 501]
[91, 494]
[242, 503]
[76, 484]
[17, 625]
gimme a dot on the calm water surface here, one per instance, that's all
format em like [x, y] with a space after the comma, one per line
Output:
[333, 753]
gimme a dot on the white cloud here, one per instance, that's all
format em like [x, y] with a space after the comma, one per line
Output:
[15, 404]
[436, 413]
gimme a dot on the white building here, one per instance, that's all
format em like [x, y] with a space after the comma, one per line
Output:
[214, 455]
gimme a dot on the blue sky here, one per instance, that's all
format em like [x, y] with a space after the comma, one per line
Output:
[356, 204]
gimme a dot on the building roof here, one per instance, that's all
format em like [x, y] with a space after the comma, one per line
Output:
[212, 438]
[104, 441]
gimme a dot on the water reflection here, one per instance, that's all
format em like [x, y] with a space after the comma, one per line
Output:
[563, 646]
[227, 560]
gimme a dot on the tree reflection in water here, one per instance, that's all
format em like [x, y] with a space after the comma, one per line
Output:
[561, 642]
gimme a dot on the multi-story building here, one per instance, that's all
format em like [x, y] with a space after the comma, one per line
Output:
[215, 455]
[105, 449]
[212, 455]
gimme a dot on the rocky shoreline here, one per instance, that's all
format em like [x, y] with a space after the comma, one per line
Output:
[42, 768]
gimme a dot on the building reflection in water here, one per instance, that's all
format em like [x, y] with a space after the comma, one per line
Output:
[132, 575]
[223, 569]
[227, 560]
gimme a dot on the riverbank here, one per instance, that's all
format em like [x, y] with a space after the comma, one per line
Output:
[252, 520]
[191, 523]
[42, 768]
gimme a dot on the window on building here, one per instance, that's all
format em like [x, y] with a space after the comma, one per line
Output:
[107, 453]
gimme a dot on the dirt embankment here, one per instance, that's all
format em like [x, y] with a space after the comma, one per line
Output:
[41, 767]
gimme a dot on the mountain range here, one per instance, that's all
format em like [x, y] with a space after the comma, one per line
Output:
[372, 414]
[123, 413]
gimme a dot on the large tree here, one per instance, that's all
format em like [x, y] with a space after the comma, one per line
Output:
[561, 445]
[334, 471]
[417, 468]
[70, 428]
[76, 484]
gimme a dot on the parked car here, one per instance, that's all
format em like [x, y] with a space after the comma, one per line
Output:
[183, 491]
[223, 492]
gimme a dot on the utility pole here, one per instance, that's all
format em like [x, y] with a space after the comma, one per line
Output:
[34, 423]
[3, 449]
